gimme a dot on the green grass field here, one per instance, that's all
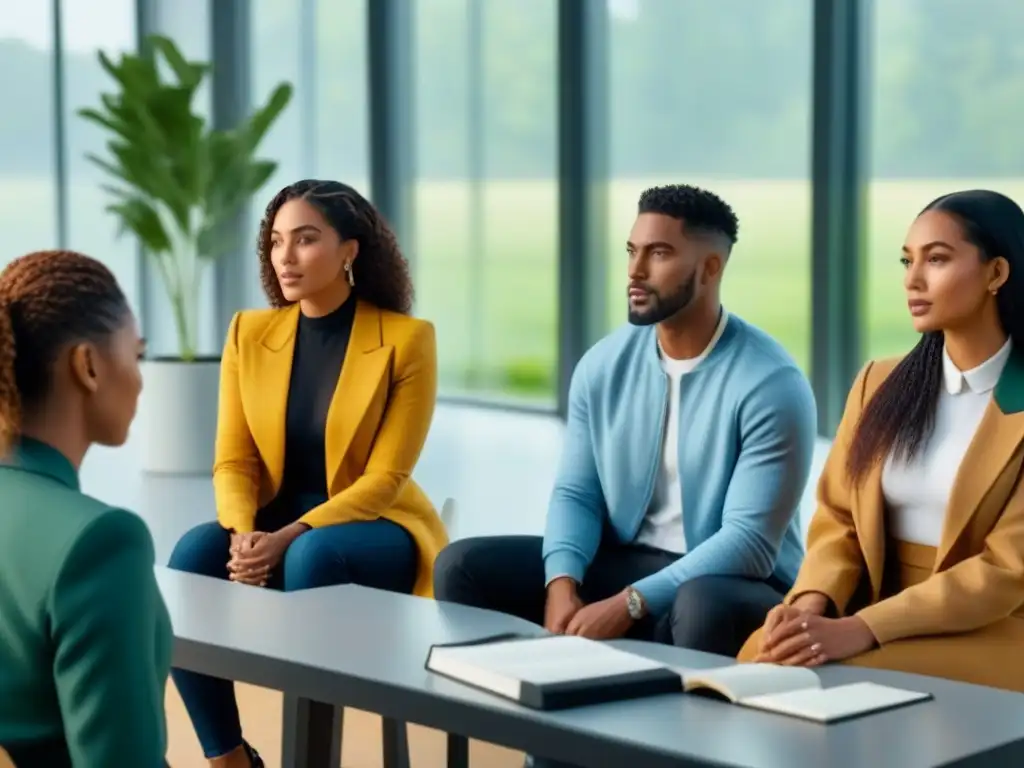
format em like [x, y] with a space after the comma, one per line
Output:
[506, 339]
[497, 328]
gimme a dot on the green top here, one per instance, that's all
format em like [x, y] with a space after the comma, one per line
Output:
[85, 638]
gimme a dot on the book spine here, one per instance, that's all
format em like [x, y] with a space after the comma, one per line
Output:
[635, 685]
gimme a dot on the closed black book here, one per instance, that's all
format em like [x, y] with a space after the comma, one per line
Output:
[552, 671]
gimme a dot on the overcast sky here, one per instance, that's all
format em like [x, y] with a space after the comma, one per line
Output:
[88, 24]
[110, 24]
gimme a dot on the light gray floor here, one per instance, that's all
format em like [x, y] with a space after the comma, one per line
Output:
[498, 466]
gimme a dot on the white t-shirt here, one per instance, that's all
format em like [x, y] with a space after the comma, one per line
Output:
[662, 526]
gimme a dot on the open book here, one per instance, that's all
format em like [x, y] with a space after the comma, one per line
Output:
[552, 672]
[796, 691]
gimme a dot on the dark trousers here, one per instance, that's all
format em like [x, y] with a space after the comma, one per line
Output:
[375, 553]
[506, 573]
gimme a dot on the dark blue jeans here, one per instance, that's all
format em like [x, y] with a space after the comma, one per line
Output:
[376, 553]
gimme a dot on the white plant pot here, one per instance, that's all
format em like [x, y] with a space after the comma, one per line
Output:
[177, 419]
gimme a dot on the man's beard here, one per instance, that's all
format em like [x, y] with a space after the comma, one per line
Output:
[661, 308]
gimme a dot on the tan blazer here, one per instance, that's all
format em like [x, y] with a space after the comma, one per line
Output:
[978, 576]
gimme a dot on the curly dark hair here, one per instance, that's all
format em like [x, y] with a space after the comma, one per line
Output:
[900, 416]
[699, 210]
[381, 272]
[47, 300]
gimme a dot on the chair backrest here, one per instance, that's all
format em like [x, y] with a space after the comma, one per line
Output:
[447, 515]
[809, 502]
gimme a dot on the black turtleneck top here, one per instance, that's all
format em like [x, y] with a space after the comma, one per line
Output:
[320, 347]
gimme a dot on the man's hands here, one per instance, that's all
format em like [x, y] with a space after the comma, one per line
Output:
[607, 619]
[562, 604]
[255, 555]
[799, 635]
[565, 613]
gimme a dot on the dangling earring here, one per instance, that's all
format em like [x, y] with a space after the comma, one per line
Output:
[349, 275]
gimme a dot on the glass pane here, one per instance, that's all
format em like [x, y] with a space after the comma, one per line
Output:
[485, 255]
[187, 22]
[91, 26]
[28, 193]
[339, 97]
[320, 48]
[948, 104]
[698, 98]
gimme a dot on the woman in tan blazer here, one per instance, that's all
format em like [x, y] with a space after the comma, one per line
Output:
[915, 556]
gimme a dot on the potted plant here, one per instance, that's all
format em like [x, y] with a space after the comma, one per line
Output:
[177, 186]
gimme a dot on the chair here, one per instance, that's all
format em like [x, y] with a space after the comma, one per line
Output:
[809, 501]
[447, 514]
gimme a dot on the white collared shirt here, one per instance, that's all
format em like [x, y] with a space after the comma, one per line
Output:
[917, 494]
[662, 526]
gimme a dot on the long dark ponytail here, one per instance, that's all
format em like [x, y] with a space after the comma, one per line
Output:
[901, 415]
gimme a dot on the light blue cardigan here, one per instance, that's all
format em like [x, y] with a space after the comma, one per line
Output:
[747, 424]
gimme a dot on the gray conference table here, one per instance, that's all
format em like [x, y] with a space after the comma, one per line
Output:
[356, 647]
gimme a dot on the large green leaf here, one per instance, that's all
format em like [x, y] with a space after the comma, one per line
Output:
[259, 173]
[138, 217]
[259, 122]
[190, 74]
[174, 176]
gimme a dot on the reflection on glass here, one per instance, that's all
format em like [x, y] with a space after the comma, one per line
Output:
[28, 194]
[698, 99]
[486, 199]
[946, 117]
[90, 26]
[320, 48]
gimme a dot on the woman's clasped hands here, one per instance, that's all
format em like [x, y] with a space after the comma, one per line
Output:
[255, 555]
[799, 635]
[241, 565]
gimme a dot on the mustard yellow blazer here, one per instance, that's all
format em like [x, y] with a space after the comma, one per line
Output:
[966, 619]
[377, 424]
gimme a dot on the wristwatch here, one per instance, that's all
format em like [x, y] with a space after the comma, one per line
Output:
[635, 604]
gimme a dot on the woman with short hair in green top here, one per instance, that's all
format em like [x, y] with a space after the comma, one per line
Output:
[85, 638]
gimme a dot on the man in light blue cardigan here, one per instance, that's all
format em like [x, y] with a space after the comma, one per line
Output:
[687, 448]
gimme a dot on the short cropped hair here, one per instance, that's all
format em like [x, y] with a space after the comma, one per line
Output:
[699, 210]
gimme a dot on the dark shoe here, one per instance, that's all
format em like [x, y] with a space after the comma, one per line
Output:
[254, 757]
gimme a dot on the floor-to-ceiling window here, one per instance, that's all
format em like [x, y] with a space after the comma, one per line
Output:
[187, 23]
[319, 46]
[717, 93]
[28, 185]
[88, 27]
[485, 248]
[947, 96]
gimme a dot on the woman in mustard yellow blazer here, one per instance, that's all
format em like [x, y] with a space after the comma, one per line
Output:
[915, 556]
[325, 403]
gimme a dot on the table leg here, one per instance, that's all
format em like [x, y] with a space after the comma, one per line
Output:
[458, 751]
[310, 734]
[396, 744]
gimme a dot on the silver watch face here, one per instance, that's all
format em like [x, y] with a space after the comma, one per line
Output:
[634, 604]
